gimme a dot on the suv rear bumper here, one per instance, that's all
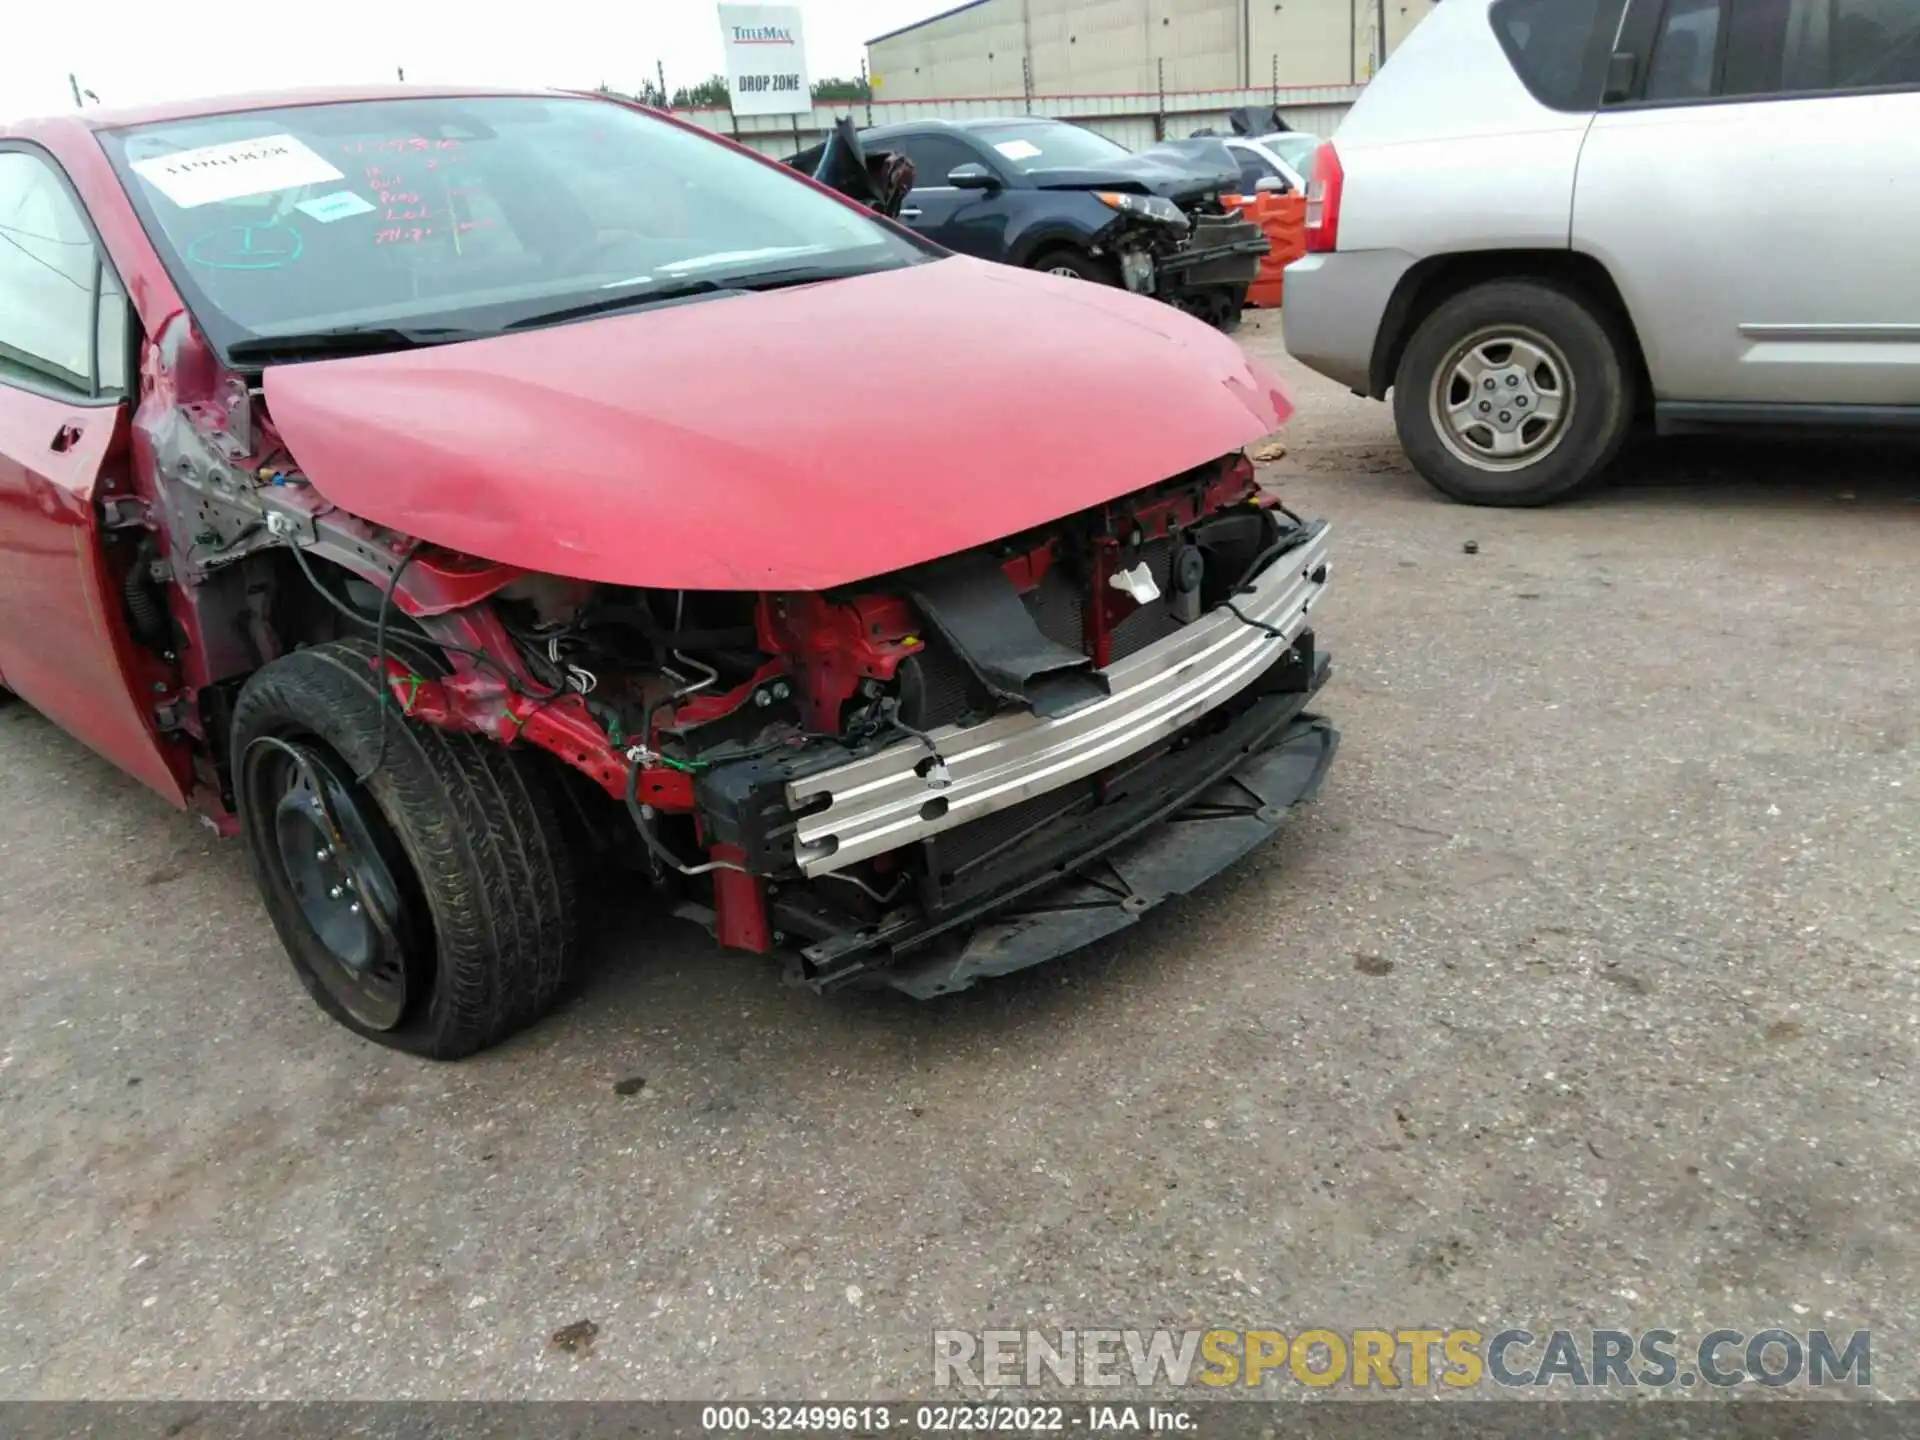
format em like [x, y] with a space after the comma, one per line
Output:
[1334, 306]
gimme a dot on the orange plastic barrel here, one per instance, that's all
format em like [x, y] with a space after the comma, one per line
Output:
[1283, 218]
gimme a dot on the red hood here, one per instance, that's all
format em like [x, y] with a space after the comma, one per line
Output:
[795, 439]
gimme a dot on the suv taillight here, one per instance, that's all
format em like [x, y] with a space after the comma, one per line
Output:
[1323, 200]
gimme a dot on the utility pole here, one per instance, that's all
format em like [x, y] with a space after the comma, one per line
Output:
[866, 86]
[1026, 51]
[1380, 20]
[74, 81]
[660, 73]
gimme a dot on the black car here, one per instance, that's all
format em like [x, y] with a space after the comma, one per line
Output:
[1048, 195]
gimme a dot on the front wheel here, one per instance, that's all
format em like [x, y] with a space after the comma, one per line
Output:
[1512, 393]
[418, 880]
[1077, 265]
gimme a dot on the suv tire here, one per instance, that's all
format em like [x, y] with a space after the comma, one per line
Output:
[1512, 393]
[451, 841]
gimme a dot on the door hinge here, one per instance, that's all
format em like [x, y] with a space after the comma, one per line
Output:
[170, 714]
[125, 512]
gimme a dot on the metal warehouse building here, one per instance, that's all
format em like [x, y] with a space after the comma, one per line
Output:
[1079, 47]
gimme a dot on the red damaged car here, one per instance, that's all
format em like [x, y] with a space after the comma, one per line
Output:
[454, 494]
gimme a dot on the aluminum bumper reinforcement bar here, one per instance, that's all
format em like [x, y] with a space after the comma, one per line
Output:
[883, 801]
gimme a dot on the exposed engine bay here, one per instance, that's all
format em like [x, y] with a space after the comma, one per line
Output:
[863, 779]
[844, 767]
[1184, 244]
[1202, 266]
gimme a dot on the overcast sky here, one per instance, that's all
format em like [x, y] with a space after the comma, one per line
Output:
[128, 51]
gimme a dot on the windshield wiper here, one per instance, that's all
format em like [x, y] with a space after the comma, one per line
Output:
[631, 300]
[346, 340]
[683, 289]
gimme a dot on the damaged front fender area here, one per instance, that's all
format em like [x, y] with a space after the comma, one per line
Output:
[681, 724]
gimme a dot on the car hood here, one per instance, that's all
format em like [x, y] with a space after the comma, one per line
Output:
[1179, 170]
[793, 439]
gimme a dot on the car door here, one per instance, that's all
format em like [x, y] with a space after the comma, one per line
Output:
[972, 222]
[1754, 188]
[64, 440]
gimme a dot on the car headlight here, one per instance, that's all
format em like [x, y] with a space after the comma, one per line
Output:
[1145, 207]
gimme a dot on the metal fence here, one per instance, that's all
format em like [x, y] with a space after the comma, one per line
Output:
[1135, 121]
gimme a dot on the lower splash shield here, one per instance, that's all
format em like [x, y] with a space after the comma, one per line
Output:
[1218, 827]
[1192, 814]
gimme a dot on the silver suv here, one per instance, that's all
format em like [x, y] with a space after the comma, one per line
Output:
[1544, 217]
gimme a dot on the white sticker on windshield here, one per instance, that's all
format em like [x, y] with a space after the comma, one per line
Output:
[341, 205]
[1018, 149]
[233, 169]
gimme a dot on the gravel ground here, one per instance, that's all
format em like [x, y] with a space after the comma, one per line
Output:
[1586, 995]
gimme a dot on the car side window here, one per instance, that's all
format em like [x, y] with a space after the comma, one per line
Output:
[1757, 48]
[1737, 49]
[113, 326]
[1683, 51]
[1253, 169]
[1760, 34]
[1874, 43]
[1559, 48]
[933, 156]
[1787, 47]
[55, 331]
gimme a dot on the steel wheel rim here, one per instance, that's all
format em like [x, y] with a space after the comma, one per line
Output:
[344, 896]
[1503, 399]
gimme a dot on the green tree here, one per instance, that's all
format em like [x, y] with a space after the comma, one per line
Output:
[709, 92]
[834, 88]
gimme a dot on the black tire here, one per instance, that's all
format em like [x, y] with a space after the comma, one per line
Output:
[1533, 319]
[475, 846]
[1078, 264]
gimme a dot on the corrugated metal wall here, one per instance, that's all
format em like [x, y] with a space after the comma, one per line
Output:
[976, 51]
[1329, 39]
[1076, 47]
[1071, 47]
[1135, 121]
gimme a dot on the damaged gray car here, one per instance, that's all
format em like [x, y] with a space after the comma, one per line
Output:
[1047, 195]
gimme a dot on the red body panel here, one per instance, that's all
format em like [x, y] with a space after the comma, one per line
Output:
[62, 642]
[791, 440]
[837, 646]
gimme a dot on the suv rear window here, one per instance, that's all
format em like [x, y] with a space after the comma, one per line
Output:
[1559, 48]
